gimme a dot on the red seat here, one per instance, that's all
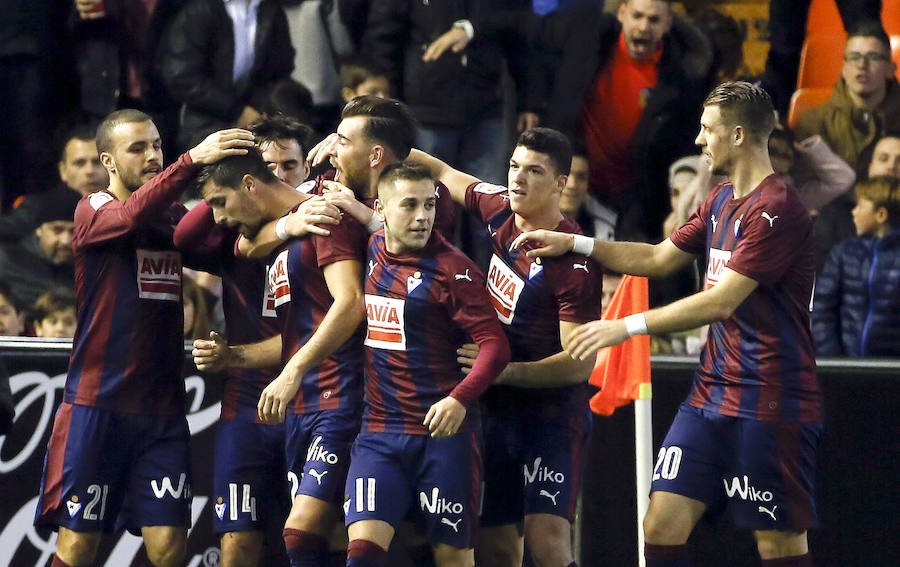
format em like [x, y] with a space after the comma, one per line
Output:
[821, 60]
[804, 99]
[824, 18]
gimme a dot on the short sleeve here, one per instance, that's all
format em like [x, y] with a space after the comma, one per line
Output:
[486, 199]
[578, 286]
[691, 237]
[347, 241]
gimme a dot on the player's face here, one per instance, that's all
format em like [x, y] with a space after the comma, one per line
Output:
[644, 23]
[867, 66]
[714, 140]
[285, 158]
[886, 158]
[57, 325]
[576, 186]
[534, 185]
[408, 215]
[376, 86]
[55, 239]
[865, 217]
[680, 181]
[10, 320]
[234, 208]
[80, 167]
[352, 154]
[137, 153]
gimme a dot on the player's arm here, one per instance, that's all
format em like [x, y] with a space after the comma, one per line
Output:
[340, 322]
[709, 306]
[455, 180]
[215, 354]
[556, 370]
[635, 258]
[313, 211]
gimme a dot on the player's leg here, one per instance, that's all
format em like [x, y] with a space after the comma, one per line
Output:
[77, 548]
[241, 549]
[783, 548]
[501, 546]
[369, 542]
[166, 545]
[449, 556]
[549, 540]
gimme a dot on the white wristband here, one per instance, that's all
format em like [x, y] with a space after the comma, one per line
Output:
[280, 228]
[374, 224]
[636, 324]
[582, 244]
[466, 26]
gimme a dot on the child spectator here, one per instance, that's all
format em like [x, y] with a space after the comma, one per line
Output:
[856, 311]
[53, 314]
[595, 219]
[681, 174]
[362, 76]
[12, 323]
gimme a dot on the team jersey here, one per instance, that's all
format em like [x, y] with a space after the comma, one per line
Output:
[759, 363]
[249, 313]
[531, 297]
[128, 347]
[419, 309]
[301, 299]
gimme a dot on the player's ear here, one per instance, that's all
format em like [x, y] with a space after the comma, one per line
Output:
[561, 181]
[108, 162]
[379, 209]
[377, 155]
[248, 182]
[739, 134]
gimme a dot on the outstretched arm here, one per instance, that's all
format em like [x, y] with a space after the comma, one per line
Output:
[556, 370]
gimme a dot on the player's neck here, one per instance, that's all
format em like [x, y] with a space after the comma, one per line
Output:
[279, 198]
[118, 189]
[749, 172]
[547, 220]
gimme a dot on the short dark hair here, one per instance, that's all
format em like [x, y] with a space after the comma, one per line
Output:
[744, 104]
[52, 301]
[7, 292]
[112, 120]
[551, 142]
[357, 69]
[403, 171]
[287, 97]
[229, 171]
[85, 131]
[390, 122]
[871, 28]
[269, 129]
[883, 191]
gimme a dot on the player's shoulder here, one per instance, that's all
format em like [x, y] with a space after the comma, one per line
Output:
[94, 201]
[452, 263]
[485, 188]
[776, 197]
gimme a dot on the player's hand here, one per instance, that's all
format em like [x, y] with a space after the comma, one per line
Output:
[465, 356]
[455, 38]
[312, 213]
[587, 339]
[90, 9]
[343, 197]
[211, 355]
[527, 121]
[277, 396]
[231, 142]
[444, 418]
[323, 150]
[549, 243]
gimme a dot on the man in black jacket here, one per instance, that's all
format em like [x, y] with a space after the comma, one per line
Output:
[220, 80]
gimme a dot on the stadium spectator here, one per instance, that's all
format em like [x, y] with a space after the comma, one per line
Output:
[727, 39]
[885, 157]
[362, 76]
[283, 142]
[80, 173]
[856, 311]
[681, 174]
[42, 260]
[290, 98]
[12, 321]
[220, 59]
[575, 200]
[53, 314]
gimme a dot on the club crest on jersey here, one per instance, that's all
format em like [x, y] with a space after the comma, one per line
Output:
[159, 274]
[220, 507]
[534, 270]
[504, 288]
[715, 266]
[384, 318]
[73, 505]
[279, 284]
[489, 188]
[412, 282]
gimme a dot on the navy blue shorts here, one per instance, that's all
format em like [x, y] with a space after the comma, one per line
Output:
[532, 466]
[317, 451]
[761, 473]
[438, 480]
[96, 458]
[249, 476]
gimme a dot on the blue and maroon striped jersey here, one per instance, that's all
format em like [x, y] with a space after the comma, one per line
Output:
[301, 299]
[531, 297]
[419, 309]
[760, 362]
[128, 347]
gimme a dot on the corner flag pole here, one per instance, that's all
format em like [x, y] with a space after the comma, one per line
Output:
[643, 452]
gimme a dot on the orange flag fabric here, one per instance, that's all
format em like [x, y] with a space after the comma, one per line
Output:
[622, 372]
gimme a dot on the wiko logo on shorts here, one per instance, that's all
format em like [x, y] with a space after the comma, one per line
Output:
[745, 491]
[542, 474]
[316, 452]
[165, 486]
[437, 504]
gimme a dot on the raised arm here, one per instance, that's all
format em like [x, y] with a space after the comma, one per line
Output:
[455, 180]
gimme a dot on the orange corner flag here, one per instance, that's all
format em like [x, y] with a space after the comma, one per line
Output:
[622, 372]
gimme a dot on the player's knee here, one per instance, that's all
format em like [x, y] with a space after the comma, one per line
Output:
[78, 548]
[446, 556]
[658, 531]
[240, 549]
[774, 544]
[168, 549]
[550, 550]
[499, 552]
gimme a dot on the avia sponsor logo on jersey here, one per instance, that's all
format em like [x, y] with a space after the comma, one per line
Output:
[437, 504]
[504, 288]
[715, 267]
[384, 316]
[741, 488]
[542, 474]
[279, 288]
[159, 274]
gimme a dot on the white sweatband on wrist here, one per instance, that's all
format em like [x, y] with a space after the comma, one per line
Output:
[636, 324]
[582, 244]
[466, 26]
[281, 228]
[374, 224]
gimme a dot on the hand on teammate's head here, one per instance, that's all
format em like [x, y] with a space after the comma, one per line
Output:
[231, 142]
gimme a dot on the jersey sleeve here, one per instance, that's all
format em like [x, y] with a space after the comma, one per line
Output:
[445, 211]
[100, 217]
[691, 236]
[486, 199]
[578, 283]
[347, 241]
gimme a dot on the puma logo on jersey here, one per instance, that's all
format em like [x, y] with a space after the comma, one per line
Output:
[550, 496]
[714, 222]
[764, 510]
[318, 475]
[737, 226]
[491, 230]
[464, 276]
[454, 525]
[771, 219]
[581, 267]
